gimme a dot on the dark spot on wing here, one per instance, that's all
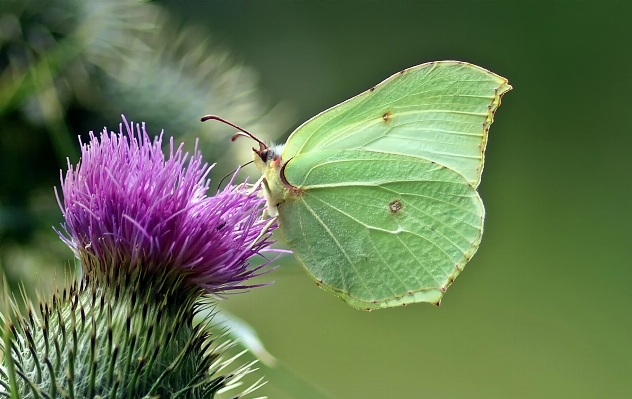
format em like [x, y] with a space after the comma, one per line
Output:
[387, 116]
[395, 206]
[372, 88]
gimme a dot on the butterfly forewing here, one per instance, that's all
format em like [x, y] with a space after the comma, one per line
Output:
[439, 111]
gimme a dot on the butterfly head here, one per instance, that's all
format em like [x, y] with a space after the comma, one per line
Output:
[268, 157]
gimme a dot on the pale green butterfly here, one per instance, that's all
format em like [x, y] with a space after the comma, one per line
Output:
[376, 196]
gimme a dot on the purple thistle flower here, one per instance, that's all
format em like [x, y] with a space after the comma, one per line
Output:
[129, 209]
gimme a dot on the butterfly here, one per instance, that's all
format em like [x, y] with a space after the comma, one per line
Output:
[376, 196]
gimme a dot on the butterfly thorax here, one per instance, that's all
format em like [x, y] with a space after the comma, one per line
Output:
[276, 189]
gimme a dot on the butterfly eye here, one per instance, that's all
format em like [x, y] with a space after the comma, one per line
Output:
[270, 154]
[265, 155]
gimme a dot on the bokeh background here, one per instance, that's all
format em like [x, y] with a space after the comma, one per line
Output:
[544, 308]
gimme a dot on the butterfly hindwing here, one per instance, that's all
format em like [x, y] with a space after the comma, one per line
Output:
[380, 229]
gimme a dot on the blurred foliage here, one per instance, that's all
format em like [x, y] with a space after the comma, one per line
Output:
[277, 372]
[71, 66]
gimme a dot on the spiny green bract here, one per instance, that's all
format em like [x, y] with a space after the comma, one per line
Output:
[90, 342]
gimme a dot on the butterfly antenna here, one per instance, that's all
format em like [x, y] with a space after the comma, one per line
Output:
[242, 131]
[231, 173]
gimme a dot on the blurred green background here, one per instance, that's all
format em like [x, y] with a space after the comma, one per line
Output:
[544, 308]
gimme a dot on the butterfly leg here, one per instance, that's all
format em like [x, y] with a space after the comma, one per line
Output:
[271, 210]
[264, 231]
[254, 187]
